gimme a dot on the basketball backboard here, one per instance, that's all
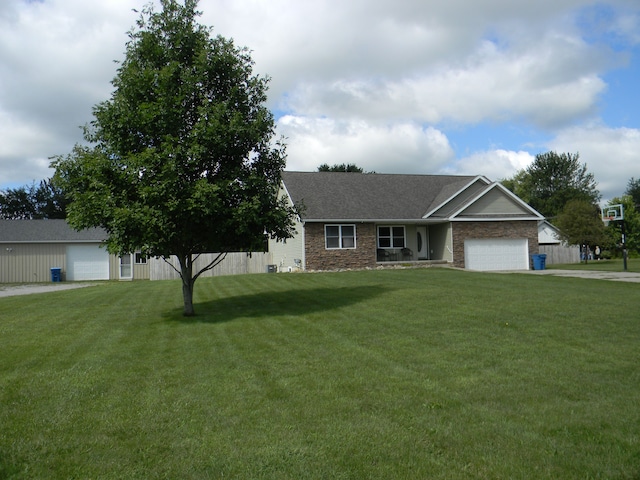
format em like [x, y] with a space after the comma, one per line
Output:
[613, 212]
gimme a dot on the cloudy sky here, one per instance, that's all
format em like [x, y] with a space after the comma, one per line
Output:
[409, 86]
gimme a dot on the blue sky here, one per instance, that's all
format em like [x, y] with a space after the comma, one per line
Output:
[397, 87]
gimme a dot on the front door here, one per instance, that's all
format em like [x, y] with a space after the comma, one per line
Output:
[422, 241]
[126, 268]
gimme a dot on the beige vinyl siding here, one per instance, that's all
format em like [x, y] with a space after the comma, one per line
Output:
[141, 271]
[440, 242]
[459, 200]
[494, 202]
[114, 267]
[30, 262]
[284, 254]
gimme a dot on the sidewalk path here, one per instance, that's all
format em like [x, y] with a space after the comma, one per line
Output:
[614, 276]
[26, 289]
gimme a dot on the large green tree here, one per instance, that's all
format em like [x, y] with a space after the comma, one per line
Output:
[580, 224]
[552, 180]
[181, 159]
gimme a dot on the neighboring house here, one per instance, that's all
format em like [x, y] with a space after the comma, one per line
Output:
[354, 220]
[548, 234]
[29, 249]
[553, 247]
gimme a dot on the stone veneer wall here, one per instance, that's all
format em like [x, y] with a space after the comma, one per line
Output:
[515, 229]
[317, 257]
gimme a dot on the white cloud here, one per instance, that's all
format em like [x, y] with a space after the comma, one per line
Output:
[494, 164]
[611, 154]
[399, 148]
[56, 62]
[375, 83]
[552, 82]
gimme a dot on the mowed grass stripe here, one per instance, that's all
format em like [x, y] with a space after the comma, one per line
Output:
[391, 374]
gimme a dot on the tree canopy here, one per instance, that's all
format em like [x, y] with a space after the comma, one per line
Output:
[633, 190]
[181, 159]
[552, 180]
[580, 223]
[43, 200]
[343, 167]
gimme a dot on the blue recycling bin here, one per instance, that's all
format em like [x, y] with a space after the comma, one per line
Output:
[56, 274]
[539, 261]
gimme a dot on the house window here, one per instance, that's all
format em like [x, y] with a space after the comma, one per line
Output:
[391, 237]
[140, 259]
[340, 236]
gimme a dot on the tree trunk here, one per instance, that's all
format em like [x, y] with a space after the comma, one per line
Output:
[186, 273]
[187, 295]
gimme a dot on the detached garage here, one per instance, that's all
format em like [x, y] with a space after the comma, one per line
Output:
[29, 249]
[87, 262]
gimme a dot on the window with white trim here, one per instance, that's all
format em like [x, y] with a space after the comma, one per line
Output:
[339, 236]
[140, 259]
[391, 237]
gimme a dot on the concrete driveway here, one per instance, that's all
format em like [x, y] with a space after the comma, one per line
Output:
[27, 289]
[614, 276]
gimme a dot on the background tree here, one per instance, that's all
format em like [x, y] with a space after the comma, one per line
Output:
[42, 201]
[181, 158]
[633, 190]
[49, 200]
[517, 184]
[351, 167]
[17, 203]
[632, 228]
[552, 180]
[580, 224]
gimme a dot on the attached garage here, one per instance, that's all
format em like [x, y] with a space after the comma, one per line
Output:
[496, 254]
[87, 262]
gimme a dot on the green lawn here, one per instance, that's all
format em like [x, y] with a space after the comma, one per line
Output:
[393, 374]
[615, 265]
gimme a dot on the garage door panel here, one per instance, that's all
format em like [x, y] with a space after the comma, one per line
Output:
[87, 262]
[496, 254]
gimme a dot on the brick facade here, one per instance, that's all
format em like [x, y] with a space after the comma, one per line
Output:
[516, 229]
[317, 257]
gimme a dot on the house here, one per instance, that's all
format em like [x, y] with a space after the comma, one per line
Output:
[553, 247]
[29, 249]
[353, 220]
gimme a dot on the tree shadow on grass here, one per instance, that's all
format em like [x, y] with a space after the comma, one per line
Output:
[270, 304]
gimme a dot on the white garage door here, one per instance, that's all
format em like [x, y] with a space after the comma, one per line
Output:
[496, 254]
[87, 262]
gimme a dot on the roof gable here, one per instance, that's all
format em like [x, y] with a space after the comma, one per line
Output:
[46, 231]
[457, 199]
[496, 201]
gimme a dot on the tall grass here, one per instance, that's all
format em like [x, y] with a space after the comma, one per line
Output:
[381, 374]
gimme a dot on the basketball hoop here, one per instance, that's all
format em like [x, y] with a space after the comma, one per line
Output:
[612, 213]
[616, 213]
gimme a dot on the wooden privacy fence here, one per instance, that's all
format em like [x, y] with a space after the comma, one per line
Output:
[557, 254]
[233, 264]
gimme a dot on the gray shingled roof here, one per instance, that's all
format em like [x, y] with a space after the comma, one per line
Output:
[359, 196]
[46, 231]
